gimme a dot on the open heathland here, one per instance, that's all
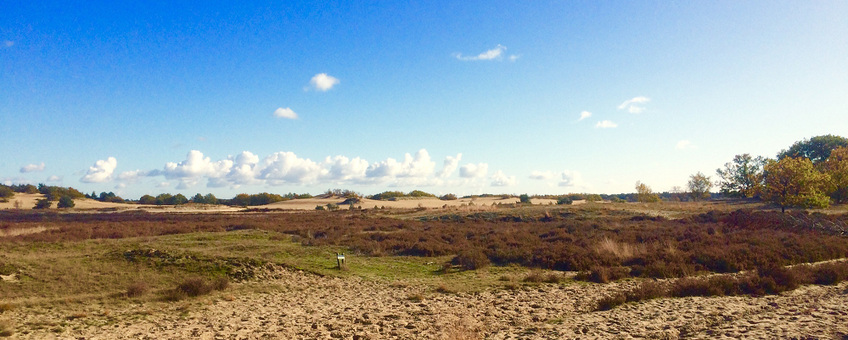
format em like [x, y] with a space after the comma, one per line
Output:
[438, 272]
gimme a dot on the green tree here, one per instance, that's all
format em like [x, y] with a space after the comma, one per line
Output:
[210, 199]
[742, 177]
[65, 202]
[179, 199]
[198, 199]
[147, 199]
[816, 149]
[164, 199]
[6, 192]
[42, 204]
[794, 182]
[644, 193]
[699, 186]
[836, 167]
[524, 198]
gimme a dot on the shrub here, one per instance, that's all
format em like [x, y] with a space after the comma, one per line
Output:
[646, 291]
[471, 259]
[65, 202]
[221, 283]
[174, 295]
[610, 302]
[195, 287]
[42, 204]
[603, 274]
[448, 197]
[319, 207]
[564, 200]
[524, 198]
[332, 207]
[137, 289]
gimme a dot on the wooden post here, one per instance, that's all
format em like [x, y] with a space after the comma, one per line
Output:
[340, 258]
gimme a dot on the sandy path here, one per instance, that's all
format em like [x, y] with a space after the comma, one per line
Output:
[296, 305]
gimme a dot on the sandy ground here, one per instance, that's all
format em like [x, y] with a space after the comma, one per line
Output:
[297, 305]
[430, 203]
[27, 201]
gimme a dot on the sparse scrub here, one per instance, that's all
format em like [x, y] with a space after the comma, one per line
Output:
[471, 259]
[6, 328]
[137, 289]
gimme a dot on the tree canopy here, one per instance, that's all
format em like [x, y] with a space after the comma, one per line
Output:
[742, 177]
[699, 186]
[795, 182]
[816, 149]
[837, 167]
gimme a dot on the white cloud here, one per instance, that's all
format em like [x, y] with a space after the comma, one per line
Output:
[684, 144]
[194, 168]
[474, 170]
[8, 43]
[488, 55]
[541, 175]
[572, 179]
[55, 178]
[630, 104]
[285, 113]
[121, 186]
[286, 168]
[584, 115]
[341, 168]
[501, 180]
[13, 180]
[418, 166]
[32, 168]
[606, 124]
[514, 57]
[131, 176]
[323, 82]
[101, 171]
[163, 185]
[450, 166]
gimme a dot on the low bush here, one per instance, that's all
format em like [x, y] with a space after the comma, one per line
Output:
[612, 301]
[471, 259]
[195, 287]
[603, 274]
[137, 289]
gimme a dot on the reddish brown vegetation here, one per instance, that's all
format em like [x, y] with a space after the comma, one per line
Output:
[598, 240]
[764, 281]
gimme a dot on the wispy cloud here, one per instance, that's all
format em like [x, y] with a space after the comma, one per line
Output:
[494, 53]
[684, 145]
[285, 113]
[323, 82]
[572, 179]
[32, 168]
[54, 178]
[584, 115]
[8, 43]
[514, 57]
[101, 171]
[631, 106]
[541, 175]
[605, 124]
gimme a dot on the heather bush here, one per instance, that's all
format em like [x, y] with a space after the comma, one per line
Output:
[471, 259]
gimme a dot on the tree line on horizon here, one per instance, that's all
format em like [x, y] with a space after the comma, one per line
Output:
[810, 174]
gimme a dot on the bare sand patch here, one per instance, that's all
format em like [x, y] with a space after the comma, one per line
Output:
[298, 305]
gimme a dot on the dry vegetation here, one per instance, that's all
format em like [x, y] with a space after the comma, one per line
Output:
[139, 257]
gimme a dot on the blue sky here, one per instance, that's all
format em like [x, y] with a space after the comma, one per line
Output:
[484, 97]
